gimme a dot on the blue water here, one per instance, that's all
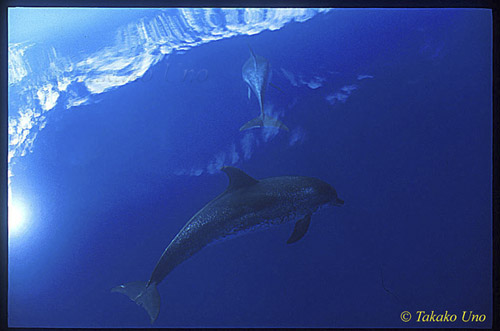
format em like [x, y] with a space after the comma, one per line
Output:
[391, 107]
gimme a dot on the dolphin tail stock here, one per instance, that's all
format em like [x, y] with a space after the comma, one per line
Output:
[143, 294]
[264, 121]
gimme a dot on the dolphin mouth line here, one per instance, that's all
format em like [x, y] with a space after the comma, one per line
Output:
[335, 203]
[338, 202]
[323, 207]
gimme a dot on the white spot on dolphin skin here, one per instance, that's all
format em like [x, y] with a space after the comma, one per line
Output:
[307, 190]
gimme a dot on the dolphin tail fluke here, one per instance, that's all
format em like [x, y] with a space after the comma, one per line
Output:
[144, 295]
[255, 123]
[274, 122]
[265, 121]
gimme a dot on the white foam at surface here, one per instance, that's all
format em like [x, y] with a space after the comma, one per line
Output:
[40, 78]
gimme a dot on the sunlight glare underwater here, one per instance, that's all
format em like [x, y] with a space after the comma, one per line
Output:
[18, 217]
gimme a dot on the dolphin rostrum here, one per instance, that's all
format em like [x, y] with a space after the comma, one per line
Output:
[257, 74]
[247, 204]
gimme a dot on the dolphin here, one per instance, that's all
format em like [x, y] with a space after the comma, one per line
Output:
[257, 74]
[246, 205]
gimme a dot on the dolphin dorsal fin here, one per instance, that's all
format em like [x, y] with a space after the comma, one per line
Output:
[251, 52]
[253, 57]
[238, 178]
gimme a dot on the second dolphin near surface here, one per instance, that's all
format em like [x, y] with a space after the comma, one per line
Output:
[256, 73]
[247, 204]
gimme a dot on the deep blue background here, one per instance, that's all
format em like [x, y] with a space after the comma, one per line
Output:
[409, 152]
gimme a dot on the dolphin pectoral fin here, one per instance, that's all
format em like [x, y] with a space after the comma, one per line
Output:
[249, 93]
[255, 123]
[276, 87]
[300, 229]
[144, 295]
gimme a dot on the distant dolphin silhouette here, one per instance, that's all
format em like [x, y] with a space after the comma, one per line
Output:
[247, 204]
[257, 74]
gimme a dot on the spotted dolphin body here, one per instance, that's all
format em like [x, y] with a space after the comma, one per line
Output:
[256, 73]
[247, 204]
